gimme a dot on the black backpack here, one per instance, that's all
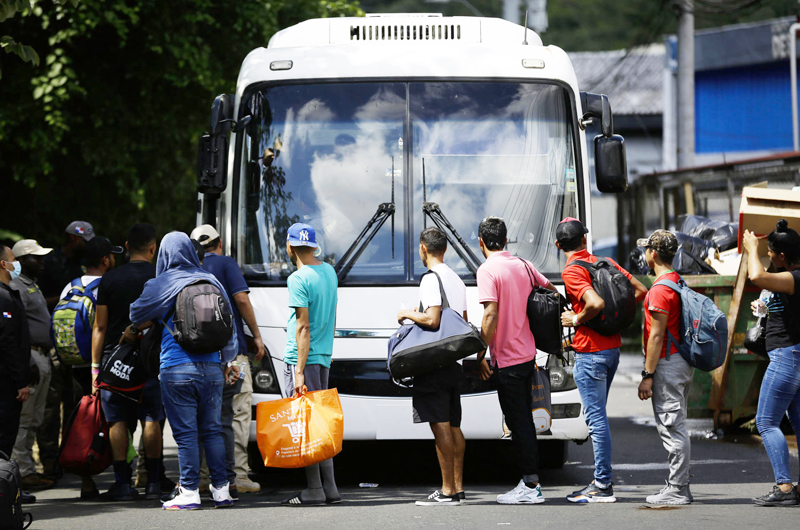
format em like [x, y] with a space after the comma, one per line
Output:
[544, 316]
[616, 291]
[202, 319]
[150, 347]
[11, 515]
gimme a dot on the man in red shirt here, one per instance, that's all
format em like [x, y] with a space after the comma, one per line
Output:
[666, 377]
[596, 355]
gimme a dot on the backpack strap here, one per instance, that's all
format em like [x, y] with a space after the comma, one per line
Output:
[87, 291]
[445, 303]
[166, 318]
[531, 277]
[677, 287]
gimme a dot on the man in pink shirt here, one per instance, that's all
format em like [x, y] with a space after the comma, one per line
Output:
[504, 284]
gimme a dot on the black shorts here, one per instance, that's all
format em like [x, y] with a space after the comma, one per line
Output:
[436, 396]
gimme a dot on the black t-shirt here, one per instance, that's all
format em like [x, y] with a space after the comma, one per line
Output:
[119, 288]
[783, 324]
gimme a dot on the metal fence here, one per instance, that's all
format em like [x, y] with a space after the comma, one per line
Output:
[658, 200]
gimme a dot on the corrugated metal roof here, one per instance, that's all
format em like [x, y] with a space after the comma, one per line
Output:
[632, 80]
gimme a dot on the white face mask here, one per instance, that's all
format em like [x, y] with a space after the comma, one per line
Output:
[15, 272]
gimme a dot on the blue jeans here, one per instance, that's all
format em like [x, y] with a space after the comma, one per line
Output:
[593, 374]
[780, 393]
[192, 394]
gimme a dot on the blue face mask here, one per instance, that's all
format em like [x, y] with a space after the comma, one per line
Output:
[17, 270]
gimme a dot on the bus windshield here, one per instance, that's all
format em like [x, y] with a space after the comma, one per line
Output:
[358, 161]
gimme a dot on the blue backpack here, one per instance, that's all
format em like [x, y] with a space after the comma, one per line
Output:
[72, 322]
[704, 329]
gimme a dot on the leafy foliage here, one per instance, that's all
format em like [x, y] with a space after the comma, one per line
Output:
[105, 128]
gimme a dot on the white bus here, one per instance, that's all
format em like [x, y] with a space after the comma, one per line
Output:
[370, 129]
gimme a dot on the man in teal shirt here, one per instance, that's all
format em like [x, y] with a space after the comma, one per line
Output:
[309, 344]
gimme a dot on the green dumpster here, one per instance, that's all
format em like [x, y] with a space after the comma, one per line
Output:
[746, 369]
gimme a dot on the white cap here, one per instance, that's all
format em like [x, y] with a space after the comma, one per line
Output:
[204, 234]
[29, 247]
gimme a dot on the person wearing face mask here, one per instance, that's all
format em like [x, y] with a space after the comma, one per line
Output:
[15, 352]
[31, 256]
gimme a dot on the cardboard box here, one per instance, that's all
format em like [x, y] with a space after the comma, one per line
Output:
[762, 208]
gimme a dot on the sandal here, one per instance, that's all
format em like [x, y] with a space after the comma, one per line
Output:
[297, 501]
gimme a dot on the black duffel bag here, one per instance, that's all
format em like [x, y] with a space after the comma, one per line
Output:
[414, 350]
[544, 316]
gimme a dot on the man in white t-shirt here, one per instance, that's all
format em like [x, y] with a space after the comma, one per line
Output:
[436, 397]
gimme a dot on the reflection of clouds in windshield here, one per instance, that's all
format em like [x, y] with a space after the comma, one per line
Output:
[508, 161]
[349, 185]
[351, 182]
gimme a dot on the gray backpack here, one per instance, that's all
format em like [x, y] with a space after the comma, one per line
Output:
[202, 319]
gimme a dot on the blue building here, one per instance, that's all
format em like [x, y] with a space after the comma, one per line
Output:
[742, 93]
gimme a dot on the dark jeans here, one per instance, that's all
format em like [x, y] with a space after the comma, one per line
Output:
[192, 394]
[228, 393]
[514, 392]
[10, 410]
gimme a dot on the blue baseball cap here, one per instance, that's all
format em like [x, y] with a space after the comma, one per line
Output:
[301, 235]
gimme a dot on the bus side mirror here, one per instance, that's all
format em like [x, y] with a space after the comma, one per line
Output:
[212, 164]
[610, 164]
[212, 156]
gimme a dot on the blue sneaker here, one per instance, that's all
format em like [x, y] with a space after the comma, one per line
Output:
[593, 493]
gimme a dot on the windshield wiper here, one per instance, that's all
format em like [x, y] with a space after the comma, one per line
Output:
[433, 211]
[343, 266]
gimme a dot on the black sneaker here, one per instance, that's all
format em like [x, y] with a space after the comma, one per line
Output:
[120, 491]
[462, 498]
[593, 493]
[153, 491]
[26, 498]
[174, 492]
[437, 498]
[234, 492]
[776, 497]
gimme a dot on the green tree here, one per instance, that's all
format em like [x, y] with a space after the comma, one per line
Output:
[105, 128]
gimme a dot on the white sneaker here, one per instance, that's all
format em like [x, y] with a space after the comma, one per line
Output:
[185, 500]
[522, 494]
[246, 485]
[222, 496]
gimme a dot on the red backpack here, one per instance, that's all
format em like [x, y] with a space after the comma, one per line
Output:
[85, 449]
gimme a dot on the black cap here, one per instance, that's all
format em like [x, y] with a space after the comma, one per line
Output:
[99, 247]
[570, 228]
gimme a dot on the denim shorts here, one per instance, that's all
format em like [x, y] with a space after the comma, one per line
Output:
[150, 407]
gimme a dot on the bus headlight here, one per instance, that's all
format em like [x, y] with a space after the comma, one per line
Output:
[264, 380]
[561, 373]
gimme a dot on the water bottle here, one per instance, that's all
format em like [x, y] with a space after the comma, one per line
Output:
[761, 304]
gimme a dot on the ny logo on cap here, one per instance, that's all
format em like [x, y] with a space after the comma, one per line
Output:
[303, 235]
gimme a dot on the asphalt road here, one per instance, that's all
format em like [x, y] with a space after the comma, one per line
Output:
[725, 475]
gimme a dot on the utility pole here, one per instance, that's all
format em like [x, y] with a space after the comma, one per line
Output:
[511, 10]
[685, 12]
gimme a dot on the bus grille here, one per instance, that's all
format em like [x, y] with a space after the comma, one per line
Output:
[392, 32]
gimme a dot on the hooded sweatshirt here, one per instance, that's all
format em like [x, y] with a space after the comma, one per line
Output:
[177, 266]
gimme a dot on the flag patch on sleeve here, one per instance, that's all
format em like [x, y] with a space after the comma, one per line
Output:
[6, 314]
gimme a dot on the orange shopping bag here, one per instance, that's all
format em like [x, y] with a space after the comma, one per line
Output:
[300, 431]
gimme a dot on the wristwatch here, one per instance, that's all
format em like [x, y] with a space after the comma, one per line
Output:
[647, 375]
[134, 329]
